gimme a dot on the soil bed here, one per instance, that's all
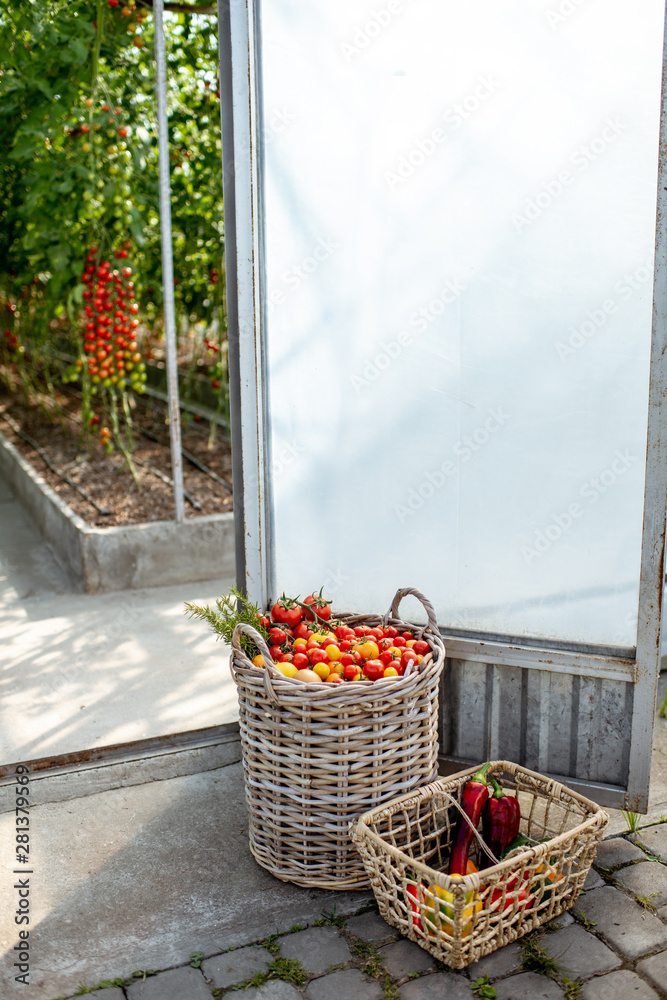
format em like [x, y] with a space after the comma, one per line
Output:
[106, 478]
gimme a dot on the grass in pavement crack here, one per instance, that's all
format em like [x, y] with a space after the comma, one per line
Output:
[287, 969]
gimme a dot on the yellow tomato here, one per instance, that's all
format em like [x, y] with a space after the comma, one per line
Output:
[322, 670]
[288, 669]
[321, 636]
[390, 672]
[410, 643]
[333, 652]
[258, 661]
[369, 650]
[396, 652]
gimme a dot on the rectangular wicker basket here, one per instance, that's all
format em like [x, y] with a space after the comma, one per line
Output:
[405, 846]
[316, 756]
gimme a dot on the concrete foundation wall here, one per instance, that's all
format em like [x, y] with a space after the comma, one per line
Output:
[122, 558]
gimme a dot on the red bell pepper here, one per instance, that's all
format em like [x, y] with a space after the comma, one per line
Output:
[500, 822]
[414, 904]
[473, 799]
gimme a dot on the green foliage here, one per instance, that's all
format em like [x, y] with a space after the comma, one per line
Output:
[196, 959]
[631, 819]
[79, 165]
[535, 957]
[230, 610]
[482, 990]
[288, 969]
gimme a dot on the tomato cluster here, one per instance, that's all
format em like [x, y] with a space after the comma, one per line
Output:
[307, 644]
[109, 325]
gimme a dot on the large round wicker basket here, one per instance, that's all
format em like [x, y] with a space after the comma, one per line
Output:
[315, 756]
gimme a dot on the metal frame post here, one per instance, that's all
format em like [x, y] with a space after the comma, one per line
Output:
[168, 262]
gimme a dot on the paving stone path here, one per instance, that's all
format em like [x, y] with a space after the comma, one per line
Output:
[611, 946]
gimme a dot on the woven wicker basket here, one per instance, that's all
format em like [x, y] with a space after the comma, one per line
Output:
[405, 846]
[315, 756]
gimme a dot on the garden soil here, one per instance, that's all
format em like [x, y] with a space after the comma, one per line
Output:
[106, 478]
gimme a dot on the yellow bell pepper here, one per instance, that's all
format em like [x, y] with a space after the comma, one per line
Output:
[442, 915]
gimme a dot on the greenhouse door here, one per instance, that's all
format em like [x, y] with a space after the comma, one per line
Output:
[447, 348]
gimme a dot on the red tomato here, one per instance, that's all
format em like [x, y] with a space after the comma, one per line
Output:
[391, 631]
[377, 632]
[317, 656]
[285, 615]
[334, 679]
[345, 644]
[397, 665]
[328, 642]
[407, 635]
[286, 657]
[302, 631]
[351, 672]
[386, 657]
[312, 644]
[408, 655]
[276, 652]
[374, 669]
[421, 647]
[277, 636]
[399, 641]
[320, 606]
[356, 655]
[347, 659]
[360, 629]
[300, 660]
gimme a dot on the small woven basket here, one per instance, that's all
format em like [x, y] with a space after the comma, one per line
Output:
[315, 756]
[406, 845]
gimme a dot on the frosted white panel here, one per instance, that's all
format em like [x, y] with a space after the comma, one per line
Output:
[459, 219]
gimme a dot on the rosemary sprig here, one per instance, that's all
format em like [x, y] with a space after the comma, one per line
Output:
[230, 610]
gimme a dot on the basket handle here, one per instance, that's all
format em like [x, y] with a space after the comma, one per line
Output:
[270, 669]
[430, 610]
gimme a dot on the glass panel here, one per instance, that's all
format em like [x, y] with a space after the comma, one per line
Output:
[459, 216]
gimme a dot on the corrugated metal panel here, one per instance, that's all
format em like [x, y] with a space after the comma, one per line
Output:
[551, 722]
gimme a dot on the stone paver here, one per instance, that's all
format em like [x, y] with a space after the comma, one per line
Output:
[347, 985]
[404, 957]
[621, 985]
[498, 963]
[528, 986]
[111, 993]
[655, 839]
[235, 966]
[176, 984]
[275, 989]
[441, 986]
[616, 851]
[625, 924]
[579, 953]
[655, 969]
[370, 927]
[317, 948]
[593, 881]
[646, 879]
[564, 919]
